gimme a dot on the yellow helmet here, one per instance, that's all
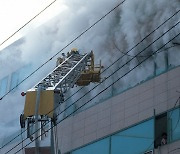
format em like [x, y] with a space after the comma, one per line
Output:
[74, 49]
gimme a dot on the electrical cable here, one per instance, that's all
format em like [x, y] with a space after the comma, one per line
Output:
[149, 34]
[109, 85]
[174, 150]
[22, 141]
[144, 55]
[169, 117]
[178, 118]
[64, 48]
[104, 70]
[112, 63]
[78, 38]
[104, 89]
[178, 100]
[127, 62]
[27, 23]
[174, 106]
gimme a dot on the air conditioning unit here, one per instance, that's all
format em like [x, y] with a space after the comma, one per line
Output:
[149, 152]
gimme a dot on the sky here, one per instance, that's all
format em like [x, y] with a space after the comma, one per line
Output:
[14, 14]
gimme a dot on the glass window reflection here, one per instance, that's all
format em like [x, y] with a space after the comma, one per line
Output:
[3, 86]
[100, 147]
[134, 140]
[174, 125]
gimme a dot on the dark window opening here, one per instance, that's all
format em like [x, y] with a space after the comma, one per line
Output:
[160, 130]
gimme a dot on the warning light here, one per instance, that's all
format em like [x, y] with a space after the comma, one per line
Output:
[23, 94]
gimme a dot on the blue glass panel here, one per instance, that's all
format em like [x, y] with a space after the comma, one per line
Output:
[24, 72]
[3, 86]
[14, 79]
[19, 75]
[137, 139]
[174, 124]
[100, 147]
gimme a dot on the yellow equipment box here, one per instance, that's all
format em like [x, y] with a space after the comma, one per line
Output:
[46, 106]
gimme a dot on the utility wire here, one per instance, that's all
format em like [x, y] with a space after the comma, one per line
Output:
[22, 140]
[118, 78]
[101, 91]
[174, 150]
[79, 37]
[64, 48]
[61, 51]
[27, 23]
[108, 66]
[173, 129]
[129, 61]
[144, 55]
[178, 100]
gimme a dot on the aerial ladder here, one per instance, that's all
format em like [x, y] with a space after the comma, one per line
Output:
[42, 102]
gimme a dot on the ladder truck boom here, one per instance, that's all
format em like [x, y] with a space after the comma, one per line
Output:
[76, 69]
[42, 101]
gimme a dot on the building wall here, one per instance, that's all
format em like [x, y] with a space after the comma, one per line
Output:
[173, 148]
[130, 107]
[12, 148]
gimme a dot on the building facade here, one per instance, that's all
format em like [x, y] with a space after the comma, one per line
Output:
[132, 122]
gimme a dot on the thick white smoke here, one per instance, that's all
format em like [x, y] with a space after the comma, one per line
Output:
[122, 29]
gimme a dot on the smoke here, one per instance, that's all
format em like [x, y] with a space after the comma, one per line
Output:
[123, 28]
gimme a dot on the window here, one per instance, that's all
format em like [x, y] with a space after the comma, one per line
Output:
[137, 139]
[14, 79]
[161, 62]
[100, 147]
[160, 129]
[174, 125]
[3, 86]
[141, 138]
[18, 76]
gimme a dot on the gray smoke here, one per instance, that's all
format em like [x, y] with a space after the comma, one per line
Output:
[117, 33]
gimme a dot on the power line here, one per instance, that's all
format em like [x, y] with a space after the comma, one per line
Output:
[163, 46]
[80, 36]
[107, 67]
[64, 48]
[173, 129]
[100, 92]
[58, 53]
[132, 59]
[27, 23]
[174, 150]
[123, 66]
[175, 45]
[178, 100]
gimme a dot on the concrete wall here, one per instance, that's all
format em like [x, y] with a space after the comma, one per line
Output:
[120, 111]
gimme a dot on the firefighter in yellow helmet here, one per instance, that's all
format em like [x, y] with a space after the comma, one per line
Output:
[74, 51]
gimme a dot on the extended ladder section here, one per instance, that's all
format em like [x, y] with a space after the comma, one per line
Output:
[66, 74]
[43, 100]
[55, 85]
